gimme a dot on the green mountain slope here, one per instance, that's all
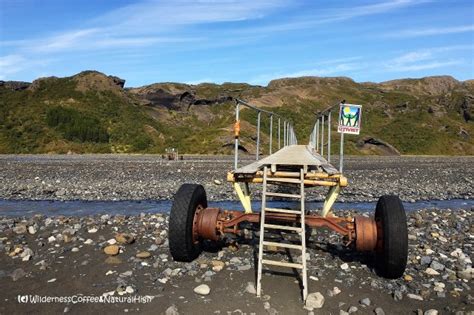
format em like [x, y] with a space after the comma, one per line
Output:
[92, 112]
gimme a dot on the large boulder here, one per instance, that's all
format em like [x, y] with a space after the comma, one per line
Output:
[371, 145]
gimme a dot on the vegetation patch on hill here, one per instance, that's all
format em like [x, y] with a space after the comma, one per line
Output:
[93, 113]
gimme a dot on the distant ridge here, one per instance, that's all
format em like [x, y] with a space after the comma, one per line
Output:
[93, 112]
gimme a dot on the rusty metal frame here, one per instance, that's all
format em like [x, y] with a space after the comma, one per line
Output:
[214, 223]
[228, 221]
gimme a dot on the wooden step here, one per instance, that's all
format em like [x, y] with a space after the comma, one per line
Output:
[283, 211]
[281, 264]
[284, 245]
[283, 227]
[284, 180]
[275, 194]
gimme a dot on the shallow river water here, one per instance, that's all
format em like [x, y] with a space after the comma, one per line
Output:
[84, 208]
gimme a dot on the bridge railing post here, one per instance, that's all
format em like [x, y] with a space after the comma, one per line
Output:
[322, 136]
[317, 135]
[329, 136]
[341, 153]
[279, 144]
[317, 138]
[285, 135]
[257, 153]
[271, 134]
[236, 136]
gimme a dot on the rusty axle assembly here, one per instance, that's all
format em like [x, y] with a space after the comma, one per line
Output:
[213, 223]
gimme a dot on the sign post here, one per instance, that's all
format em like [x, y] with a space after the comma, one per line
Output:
[350, 116]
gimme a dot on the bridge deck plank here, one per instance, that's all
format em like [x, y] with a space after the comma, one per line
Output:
[293, 156]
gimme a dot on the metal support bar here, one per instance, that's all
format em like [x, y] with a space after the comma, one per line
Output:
[238, 101]
[341, 153]
[322, 136]
[279, 144]
[258, 136]
[271, 134]
[244, 197]
[314, 136]
[262, 233]
[317, 135]
[236, 147]
[329, 137]
[303, 236]
[290, 137]
[288, 132]
[330, 199]
[291, 134]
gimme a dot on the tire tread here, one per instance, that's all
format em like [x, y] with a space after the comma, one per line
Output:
[392, 260]
[187, 198]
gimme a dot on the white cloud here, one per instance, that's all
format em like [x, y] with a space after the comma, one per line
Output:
[336, 69]
[9, 60]
[430, 58]
[412, 57]
[147, 23]
[97, 41]
[371, 9]
[156, 14]
[335, 15]
[327, 68]
[431, 31]
[423, 59]
[66, 40]
[10, 64]
[425, 66]
[13, 64]
[199, 81]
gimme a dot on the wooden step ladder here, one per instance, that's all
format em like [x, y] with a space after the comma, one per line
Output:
[300, 230]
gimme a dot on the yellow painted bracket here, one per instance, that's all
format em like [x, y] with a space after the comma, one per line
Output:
[244, 197]
[330, 199]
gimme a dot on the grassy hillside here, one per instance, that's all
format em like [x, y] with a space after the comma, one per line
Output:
[61, 115]
[91, 112]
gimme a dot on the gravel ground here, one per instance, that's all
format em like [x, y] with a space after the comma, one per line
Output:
[141, 177]
[127, 257]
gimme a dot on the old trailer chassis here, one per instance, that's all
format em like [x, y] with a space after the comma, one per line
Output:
[363, 233]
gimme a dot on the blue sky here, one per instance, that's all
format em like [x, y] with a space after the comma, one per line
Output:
[254, 41]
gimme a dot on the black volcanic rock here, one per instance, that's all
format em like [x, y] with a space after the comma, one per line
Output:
[15, 85]
[118, 81]
[377, 146]
[159, 95]
[467, 108]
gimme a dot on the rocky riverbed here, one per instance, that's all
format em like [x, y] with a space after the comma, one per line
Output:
[127, 257]
[140, 177]
[94, 259]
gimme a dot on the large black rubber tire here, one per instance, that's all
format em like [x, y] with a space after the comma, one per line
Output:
[186, 200]
[391, 257]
